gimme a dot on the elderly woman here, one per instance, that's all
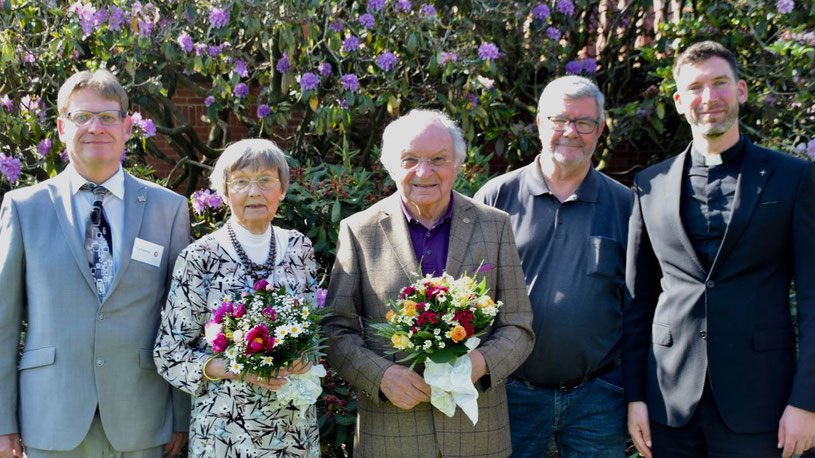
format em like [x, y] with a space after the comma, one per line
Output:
[426, 225]
[232, 417]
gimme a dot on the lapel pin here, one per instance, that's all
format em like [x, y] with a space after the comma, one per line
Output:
[762, 172]
[141, 199]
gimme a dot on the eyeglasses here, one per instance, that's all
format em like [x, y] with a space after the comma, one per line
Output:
[265, 183]
[106, 117]
[410, 163]
[582, 126]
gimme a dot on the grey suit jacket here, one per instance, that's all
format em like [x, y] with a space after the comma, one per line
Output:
[375, 259]
[81, 353]
[732, 323]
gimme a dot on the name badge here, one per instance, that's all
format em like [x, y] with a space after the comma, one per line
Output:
[147, 252]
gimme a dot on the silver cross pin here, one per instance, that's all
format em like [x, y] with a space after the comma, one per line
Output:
[762, 172]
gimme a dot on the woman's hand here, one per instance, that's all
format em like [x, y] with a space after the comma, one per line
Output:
[217, 369]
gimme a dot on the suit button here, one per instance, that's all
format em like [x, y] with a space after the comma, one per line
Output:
[710, 284]
[100, 317]
[100, 361]
[703, 334]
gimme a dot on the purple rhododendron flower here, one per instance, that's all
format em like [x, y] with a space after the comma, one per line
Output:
[203, 199]
[473, 99]
[283, 64]
[263, 111]
[145, 28]
[200, 49]
[44, 147]
[241, 90]
[214, 51]
[240, 69]
[553, 33]
[6, 103]
[335, 26]
[367, 21]
[447, 57]
[10, 167]
[375, 5]
[185, 42]
[324, 68]
[428, 10]
[404, 5]
[218, 17]
[811, 149]
[565, 6]
[309, 81]
[589, 65]
[321, 294]
[28, 58]
[785, 6]
[350, 44]
[209, 100]
[541, 12]
[342, 103]
[115, 18]
[574, 67]
[85, 14]
[350, 82]
[488, 51]
[386, 61]
[146, 125]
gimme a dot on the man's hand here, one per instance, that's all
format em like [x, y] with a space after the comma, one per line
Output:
[404, 389]
[479, 365]
[639, 428]
[796, 431]
[10, 446]
[175, 445]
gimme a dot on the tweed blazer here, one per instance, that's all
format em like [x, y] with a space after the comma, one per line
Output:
[375, 259]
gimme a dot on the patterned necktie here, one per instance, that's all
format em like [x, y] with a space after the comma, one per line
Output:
[98, 242]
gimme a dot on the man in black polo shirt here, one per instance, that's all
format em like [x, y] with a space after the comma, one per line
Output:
[717, 235]
[570, 225]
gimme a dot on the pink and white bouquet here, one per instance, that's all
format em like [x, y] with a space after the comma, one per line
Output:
[265, 330]
[436, 321]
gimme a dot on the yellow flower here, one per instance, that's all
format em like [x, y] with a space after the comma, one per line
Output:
[409, 308]
[485, 301]
[400, 341]
[390, 316]
[467, 282]
[458, 333]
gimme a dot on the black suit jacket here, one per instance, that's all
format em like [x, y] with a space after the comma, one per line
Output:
[734, 320]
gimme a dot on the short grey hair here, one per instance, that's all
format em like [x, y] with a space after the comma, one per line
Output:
[256, 153]
[102, 82]
[572, 87]
[401, 130]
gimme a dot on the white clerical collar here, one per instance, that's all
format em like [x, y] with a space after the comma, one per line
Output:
[115, 184]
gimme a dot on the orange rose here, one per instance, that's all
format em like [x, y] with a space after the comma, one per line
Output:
[400, 341]
[458, 333]
[389, 316]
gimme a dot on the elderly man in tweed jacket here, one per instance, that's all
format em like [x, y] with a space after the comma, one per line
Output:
[424, 224]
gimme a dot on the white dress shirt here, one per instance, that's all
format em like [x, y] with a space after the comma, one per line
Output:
[114, 204]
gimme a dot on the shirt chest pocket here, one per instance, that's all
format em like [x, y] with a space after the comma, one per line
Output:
[603, 256]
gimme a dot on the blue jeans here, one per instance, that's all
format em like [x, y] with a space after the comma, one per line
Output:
[587, 421]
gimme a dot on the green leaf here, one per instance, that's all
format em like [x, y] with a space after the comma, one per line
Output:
[336, 215]
[660, 110]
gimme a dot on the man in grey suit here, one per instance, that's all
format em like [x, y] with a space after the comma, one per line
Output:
[426, 225]
[85, 260]
[716, 237]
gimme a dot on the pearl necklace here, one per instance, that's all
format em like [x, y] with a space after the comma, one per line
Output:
[256, 271]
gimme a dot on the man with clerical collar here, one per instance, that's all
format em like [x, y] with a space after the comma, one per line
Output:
[717, 236]
[570, 223]
[429, 228]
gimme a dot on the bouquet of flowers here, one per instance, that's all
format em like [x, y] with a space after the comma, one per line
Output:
[265, 330]
[436, 321]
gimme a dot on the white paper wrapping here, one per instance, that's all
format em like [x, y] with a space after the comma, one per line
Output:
[302, 389]
[451, 385]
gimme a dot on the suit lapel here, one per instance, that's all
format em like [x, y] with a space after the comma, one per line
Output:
[60, 192]
[461, 230]
[753, 176]
[673, 192]
[394, 227]
[135, 201]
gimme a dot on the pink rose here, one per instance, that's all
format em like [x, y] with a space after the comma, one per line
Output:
[260, 285]
[219, 344]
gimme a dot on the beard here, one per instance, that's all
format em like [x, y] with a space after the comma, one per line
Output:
[719, 128]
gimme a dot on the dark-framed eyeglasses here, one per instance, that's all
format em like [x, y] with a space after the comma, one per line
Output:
[265, 183]
[106, 117]
[582, 126]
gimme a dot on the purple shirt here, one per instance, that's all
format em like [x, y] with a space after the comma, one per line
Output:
[430, 245]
